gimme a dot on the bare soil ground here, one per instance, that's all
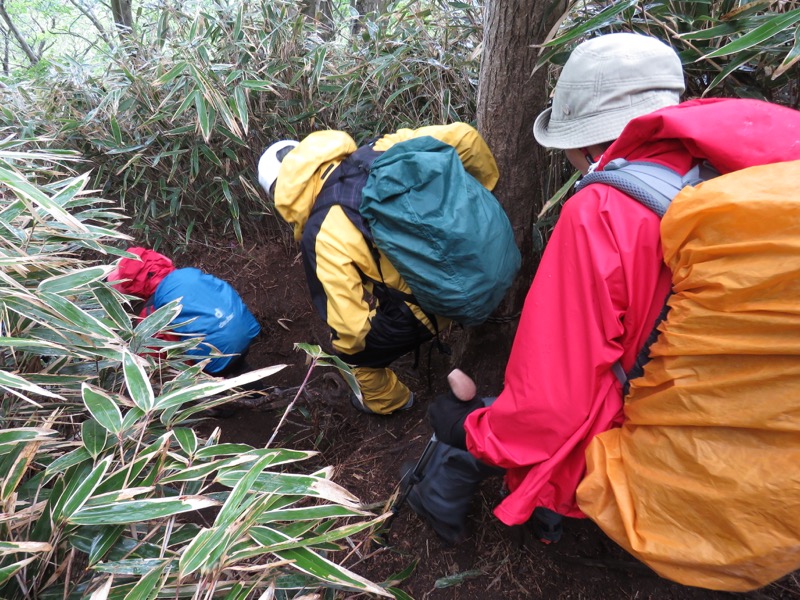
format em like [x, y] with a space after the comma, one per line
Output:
[368, 451]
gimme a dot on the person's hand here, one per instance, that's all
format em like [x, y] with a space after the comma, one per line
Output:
[448, 412]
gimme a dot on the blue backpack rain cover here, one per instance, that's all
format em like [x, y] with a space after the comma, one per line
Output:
[444, 232]
[217, 312]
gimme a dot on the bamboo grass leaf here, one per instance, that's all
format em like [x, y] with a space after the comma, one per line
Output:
[11, 381]
[33, 196]
[103, 408]
[601, 19]
[147, 588]
[73, 281]
[769, 29]
[138, 383]
[187, 439]
[134, 511]
[7, 572]
[309, 562]
[85, 489]
[94, 437]
[209, 388]
[791, 57]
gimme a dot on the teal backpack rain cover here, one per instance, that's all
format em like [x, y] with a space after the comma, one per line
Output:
[444, 232]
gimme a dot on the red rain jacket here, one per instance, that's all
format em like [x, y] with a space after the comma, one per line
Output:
[144, 275]
[597, 292]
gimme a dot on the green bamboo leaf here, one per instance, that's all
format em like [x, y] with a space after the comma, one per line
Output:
[240, 102]
[220, 449]
[310, 513]
[138, 383]
[148, 586]
[307, 542]
[186, 439]
[204, 550]
[329, 360]
[85, 323]
[130, 566]
[62, 463]
[791, 58]
[33, 196]
[84, 490]
[103, 408]
[212, 387]
[40, 346]
[7, 572]
[73, 281]
[157, 321]
[15, 382]
[309, 562]
[110, 303]
[94, 437]
[203, 116]
[14, 466]
[601, 19]
[187, 102]
[135, 511]
[103, 542]
[772, 27]
[201, 471]
[720, 30]
[170, 75]
[25, 434]
[293, 484]
[556, 198]
[732, 66]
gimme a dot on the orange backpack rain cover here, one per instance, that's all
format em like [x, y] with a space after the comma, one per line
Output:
[702, 482]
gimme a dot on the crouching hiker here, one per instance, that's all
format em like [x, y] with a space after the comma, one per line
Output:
[369, 276]
[696, 472]
[211, 308]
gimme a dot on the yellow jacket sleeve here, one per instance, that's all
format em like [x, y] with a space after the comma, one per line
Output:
[340, 252]
[471, 147]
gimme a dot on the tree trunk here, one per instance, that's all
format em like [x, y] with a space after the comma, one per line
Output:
[509, 99]
[365, 7]
[122, 12]
[32, 56]
[321, 12]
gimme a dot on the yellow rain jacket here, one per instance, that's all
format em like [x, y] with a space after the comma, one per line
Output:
[341, 267]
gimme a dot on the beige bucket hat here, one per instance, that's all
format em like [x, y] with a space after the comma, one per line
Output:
[606, 82]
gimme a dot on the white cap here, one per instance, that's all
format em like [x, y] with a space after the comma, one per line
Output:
[270, 162]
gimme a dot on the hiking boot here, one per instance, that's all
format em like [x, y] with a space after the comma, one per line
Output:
[547, 525]
[361, 407]
[450, 533]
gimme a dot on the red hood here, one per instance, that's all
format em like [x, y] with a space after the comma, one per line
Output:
[144, 274]
[731, 134]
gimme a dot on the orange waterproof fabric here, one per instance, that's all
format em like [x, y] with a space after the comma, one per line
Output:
[702, 482]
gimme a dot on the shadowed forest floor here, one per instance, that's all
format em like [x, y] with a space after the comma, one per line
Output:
[368, 451]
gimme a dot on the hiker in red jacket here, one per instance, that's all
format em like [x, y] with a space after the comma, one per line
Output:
[210, 307]
[602, 281]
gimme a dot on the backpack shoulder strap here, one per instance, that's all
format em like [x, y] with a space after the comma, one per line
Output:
[651, 184]
[655, 186]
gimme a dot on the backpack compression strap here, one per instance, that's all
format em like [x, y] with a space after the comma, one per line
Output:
[654, 186]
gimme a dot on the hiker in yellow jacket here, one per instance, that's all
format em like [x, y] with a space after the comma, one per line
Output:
[316, 185]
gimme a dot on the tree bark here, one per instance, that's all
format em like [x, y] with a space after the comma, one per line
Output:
[363, 8]
[122, 12]
[509, 99]
[32, 56]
